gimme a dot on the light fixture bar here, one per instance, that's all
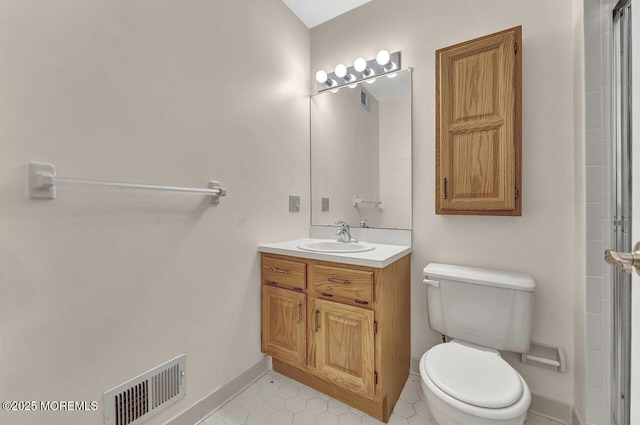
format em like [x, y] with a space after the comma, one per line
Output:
[372, 70]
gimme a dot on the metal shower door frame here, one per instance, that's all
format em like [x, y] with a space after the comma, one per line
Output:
[622, 199]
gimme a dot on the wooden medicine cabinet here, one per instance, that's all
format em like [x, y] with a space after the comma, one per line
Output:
[479, 126]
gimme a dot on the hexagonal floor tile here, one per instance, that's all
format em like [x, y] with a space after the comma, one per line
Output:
[316, 405]
[295, 404]
[281, 380]
[274, 404]
[259, 417]
[253, 402]
[350, 419]
[337, 407]
[396, 419]
[356, 411]
[422, 409]
[234, 403]
[327, 418]
[251, 390]
[304, 418]
[287, 391]
[404, 409]
[268, 390]
[281, 417]
[265, 379]
[236, 417]
[306, 392]
[215, 418]
[414, 382]
[368, 420]
[419, 420]
[409, 395]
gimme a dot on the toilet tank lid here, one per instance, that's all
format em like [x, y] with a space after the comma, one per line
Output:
[489, 277]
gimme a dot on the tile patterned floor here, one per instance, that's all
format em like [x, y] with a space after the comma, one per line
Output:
[275, 399]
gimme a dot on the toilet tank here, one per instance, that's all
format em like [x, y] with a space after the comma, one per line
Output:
[487, 307]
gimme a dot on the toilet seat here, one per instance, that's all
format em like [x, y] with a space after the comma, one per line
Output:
[473, 375]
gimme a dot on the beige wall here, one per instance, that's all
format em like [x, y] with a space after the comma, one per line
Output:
[541, 242]
[97, 287]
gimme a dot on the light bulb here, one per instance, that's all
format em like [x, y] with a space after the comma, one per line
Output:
[341, 71]
[371, 81]
[321, 76]
[360, 64]
[392, 75]
[383, 57]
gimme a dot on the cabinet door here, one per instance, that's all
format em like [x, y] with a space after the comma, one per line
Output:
[284, 324]
[478, 126]
[344, 345]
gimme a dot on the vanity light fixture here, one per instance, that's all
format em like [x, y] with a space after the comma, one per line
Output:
[385, 63]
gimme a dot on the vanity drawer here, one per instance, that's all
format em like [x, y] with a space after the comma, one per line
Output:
[352, 284]
[284, 273]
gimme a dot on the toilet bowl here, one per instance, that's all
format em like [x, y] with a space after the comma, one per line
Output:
[467, 384]
[466, 381]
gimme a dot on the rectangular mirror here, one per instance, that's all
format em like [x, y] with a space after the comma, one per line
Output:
[361, 154]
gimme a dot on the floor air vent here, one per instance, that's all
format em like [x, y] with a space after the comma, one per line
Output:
[141, 398]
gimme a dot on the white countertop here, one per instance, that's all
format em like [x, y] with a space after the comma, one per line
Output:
[380, 257]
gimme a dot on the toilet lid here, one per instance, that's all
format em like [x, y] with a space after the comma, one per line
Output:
[473, 376]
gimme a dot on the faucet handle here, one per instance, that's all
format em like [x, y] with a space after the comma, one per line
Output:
[341, 223]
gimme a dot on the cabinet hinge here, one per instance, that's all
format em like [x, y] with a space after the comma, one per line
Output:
[515, 48]
[375, 378]
[517, 193]
[375, 327]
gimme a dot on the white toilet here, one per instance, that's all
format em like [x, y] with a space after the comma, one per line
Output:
[466, 381]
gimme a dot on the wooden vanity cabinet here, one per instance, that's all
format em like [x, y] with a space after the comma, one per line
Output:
[356, 341]
[479, 126]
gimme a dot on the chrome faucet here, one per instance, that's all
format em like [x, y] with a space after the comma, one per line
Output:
[344, 234]
[363, 223]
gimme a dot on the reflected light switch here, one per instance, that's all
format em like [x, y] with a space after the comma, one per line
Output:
[325, 204]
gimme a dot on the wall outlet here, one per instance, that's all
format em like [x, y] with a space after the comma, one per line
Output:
[294, 203]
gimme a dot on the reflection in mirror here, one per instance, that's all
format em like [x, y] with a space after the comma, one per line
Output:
[361, 154]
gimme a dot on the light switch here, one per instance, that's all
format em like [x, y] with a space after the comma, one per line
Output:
[325, 204]
[294, 203]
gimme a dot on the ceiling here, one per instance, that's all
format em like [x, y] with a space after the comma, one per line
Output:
[315, 12]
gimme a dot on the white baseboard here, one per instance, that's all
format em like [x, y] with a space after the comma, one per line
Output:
[203, 408]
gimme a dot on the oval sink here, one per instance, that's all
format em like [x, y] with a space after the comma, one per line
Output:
[329, 245]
